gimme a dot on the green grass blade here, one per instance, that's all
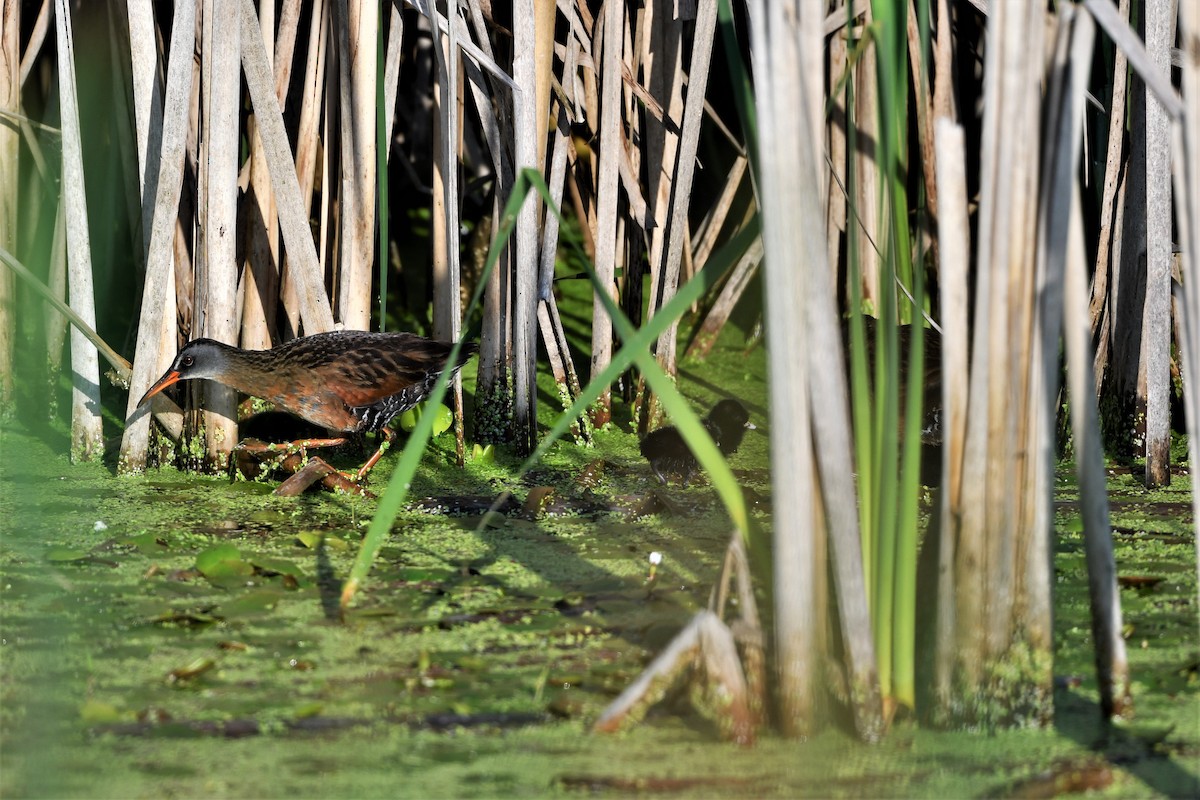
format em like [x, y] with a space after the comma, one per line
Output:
[886, 447]
[889, 31]
[905, 604]
[861, 391]
[397, 489]
[739, 78]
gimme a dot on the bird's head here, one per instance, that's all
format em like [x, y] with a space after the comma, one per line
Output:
[731, 420]
[201, 358]
[729, 414]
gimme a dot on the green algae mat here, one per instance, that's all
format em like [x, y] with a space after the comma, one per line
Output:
[171, 635]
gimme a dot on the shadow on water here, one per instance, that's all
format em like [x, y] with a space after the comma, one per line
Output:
[329, 585]
[1079, 719]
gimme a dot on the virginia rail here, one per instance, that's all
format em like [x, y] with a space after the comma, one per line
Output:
[345, 381]
[669, 454]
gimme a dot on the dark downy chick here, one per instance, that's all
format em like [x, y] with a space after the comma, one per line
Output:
[669, 454]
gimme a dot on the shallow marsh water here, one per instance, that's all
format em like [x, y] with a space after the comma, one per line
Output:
[176, 636]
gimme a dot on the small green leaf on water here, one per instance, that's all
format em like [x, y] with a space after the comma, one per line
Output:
[216, 554]
[223, 561]
[192, 669]
[266, 516]
[310, 539]
[93, 712]
[308, 710]
[65, 554]
[442, 418]
[313, 539]
[275, 566]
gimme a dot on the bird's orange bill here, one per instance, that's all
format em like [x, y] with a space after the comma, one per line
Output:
[170, 378]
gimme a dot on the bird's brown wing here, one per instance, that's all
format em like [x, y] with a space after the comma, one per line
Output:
[370, 374]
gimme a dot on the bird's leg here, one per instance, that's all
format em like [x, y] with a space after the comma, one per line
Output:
[389, 436]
